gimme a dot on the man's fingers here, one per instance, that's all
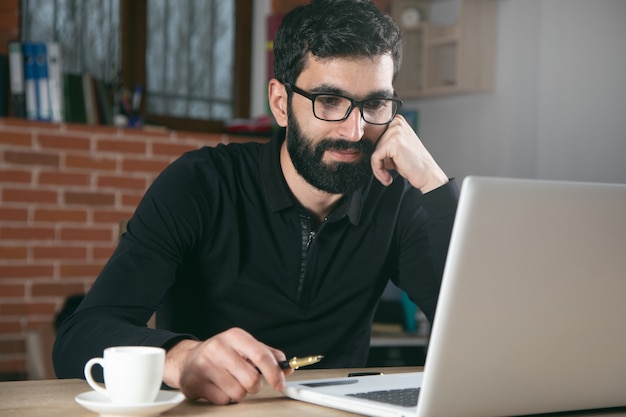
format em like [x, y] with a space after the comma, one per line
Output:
[381, 164]
[267, 364]
[225, 368]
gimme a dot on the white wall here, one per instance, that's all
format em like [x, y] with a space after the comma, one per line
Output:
[559, 106]
[558, 110]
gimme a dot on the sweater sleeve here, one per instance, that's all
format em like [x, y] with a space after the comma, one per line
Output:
[424, 245]
[132, 284]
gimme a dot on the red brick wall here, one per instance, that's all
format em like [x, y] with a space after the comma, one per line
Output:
[63, 190]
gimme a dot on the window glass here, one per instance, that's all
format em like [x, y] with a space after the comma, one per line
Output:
[189, 53]
[190, 59]
[87, 31]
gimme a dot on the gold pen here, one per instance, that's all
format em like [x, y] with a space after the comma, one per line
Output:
[295, 362]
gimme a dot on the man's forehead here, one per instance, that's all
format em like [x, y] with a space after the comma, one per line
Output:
[359, 76]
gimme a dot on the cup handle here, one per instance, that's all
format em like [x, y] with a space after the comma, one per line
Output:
[92, 382]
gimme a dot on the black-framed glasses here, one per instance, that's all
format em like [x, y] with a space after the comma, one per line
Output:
[332, 107]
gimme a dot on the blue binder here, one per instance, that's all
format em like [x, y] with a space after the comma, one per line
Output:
[36, 81]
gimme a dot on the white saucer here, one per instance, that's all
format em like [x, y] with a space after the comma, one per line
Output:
[101, 404]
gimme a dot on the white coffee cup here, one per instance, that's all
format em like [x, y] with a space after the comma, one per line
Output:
[132, 374]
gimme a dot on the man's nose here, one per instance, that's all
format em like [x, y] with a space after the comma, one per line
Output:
[353, 127]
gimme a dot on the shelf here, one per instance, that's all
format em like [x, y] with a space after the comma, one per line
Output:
[442, 59]
[396, 339]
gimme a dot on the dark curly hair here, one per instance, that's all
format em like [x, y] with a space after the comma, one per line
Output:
[334, 28]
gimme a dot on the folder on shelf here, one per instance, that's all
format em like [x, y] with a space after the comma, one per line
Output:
[89, 99]
[4, 85]
[30, 79]
[105, 104]
[16, 72]
[55, 83]
[43, 81]
[74, 98]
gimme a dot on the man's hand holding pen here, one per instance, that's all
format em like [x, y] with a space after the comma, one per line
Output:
[228, 366]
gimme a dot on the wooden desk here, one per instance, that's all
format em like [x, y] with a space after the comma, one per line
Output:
[55, 398]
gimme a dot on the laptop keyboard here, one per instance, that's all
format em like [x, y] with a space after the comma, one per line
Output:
[406, 397]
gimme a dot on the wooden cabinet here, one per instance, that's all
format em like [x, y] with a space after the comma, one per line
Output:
[449, 46]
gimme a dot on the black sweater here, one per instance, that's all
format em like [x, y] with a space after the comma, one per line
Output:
[219, 241]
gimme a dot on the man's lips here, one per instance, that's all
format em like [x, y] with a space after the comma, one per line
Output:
[345, 155]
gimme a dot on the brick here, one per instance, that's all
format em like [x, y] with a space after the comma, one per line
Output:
[13, 252]
[14, 368]
[146, 132]
[38, 322]
[26, 271]
[59, 289]
[11, 6]
[29, 196]
[14, 175]
[26, 232]
[111, 216]
[121, 146]
[63, 142]
[13, 214]
[63, 178]
[88, 162]
[9, 20]
[16, 138]
[60, 215]
[12, 290]
[98, 129]
[32, 158]
[87, 234]
[131, 200]
[172, 149]
[26, 308]
[38, 308]
[89, 198]
[208, 139]
[12, 346]
[143, 165]
[121, 182]
[12, 326]
[80, 270]
[60, 252]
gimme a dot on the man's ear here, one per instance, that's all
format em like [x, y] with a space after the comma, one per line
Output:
[277, 96]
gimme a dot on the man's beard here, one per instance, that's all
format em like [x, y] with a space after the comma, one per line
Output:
[333, 178]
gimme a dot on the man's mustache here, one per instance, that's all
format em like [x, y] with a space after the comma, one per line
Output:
[363, 145]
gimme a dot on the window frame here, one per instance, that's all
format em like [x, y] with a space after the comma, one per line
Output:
[133, 28]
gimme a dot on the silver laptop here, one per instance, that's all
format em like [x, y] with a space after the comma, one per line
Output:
[532, 312]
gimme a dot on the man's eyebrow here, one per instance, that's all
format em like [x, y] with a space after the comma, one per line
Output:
[327, 88]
